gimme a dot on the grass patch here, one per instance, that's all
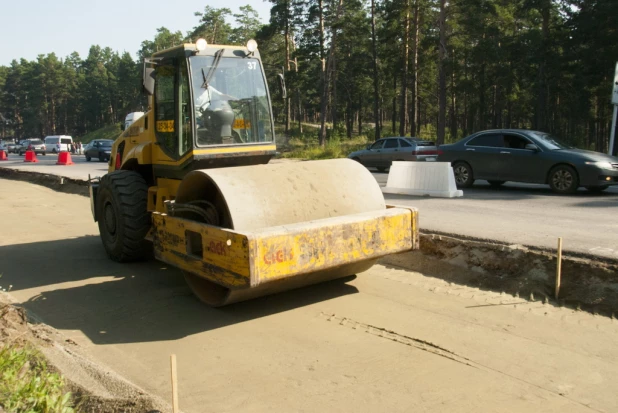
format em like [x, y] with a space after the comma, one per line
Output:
[28, 385]
[106, 132]
[334, 148]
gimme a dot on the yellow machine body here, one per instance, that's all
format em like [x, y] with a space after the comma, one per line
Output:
[236, 225]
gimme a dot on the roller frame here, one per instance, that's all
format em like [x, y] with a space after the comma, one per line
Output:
[244, 260]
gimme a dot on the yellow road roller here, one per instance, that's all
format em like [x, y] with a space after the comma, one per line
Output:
[191, 183]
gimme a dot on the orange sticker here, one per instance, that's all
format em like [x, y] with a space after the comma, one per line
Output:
[165, 126]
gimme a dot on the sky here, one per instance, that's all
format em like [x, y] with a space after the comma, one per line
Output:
[32, 27]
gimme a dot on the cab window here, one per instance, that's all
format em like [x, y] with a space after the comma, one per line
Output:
[172, 116]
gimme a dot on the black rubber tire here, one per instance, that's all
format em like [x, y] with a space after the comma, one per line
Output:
[496, 184]
[597, 189]
[464, 177]
[88, 158]
[122, 216]
[381, 168]
[357, 160]
[563, 179]
[101, 158]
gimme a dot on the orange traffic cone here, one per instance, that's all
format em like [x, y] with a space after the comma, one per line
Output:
[30, 157]
[64, 158]
[3, 156]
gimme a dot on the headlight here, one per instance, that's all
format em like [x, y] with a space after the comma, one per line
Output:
[600, 164]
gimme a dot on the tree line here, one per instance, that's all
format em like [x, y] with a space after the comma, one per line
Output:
[432, 68]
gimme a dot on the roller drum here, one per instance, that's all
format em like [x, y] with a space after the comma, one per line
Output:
[250, 198]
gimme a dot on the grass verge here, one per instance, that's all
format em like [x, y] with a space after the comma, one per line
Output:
[28, 385]
[106, 132]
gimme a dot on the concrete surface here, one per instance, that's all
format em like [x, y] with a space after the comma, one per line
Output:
[388, 341]
[515, 214]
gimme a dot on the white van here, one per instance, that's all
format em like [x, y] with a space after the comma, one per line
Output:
[132, 117]
[55, 144]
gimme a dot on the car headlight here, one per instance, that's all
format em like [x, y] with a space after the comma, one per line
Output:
[600, 164]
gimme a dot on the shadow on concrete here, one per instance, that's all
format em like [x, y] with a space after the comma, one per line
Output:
[72, 285]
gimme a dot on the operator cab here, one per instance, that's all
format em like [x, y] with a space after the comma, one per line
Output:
[211, 105]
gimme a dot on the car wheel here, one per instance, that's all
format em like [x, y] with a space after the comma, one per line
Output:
[101, 158]
[88, 158]
[496, 184]
[123, 217]
[21, 153]
[356, 159]
[43, 153]
[463, 175]
[563, 179]
[380, 168]
[597, 189]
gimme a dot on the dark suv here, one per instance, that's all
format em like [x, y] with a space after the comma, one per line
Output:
[36, 145]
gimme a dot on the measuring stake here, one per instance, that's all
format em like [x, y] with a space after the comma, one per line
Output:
[174, 384]
[558, 267]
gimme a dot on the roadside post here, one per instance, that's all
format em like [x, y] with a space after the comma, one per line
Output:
[612, 147]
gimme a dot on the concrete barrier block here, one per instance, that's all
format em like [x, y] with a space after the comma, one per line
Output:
[422, 179]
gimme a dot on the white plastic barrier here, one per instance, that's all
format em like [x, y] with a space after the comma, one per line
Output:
[423, 179]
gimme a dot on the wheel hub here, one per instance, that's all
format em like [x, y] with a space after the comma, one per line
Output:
[563, 180]
[461, 174]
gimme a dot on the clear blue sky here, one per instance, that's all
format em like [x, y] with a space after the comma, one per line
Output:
[32, 27]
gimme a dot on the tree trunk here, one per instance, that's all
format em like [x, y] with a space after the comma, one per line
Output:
[394, 117]
[415, 43]
[322, 133]
[403, 112]
[376, 91]
[442, 74]
[327, 72]
[540, 121]
[288, 101]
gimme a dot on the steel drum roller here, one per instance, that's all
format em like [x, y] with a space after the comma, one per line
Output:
[256, 197]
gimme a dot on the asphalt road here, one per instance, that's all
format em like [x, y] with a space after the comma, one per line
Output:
[387, 341]
[515, 214]
[523, 214]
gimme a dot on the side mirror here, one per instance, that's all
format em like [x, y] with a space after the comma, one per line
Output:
[149, 79]
[531, 147]
[284, 93]
[369, 146]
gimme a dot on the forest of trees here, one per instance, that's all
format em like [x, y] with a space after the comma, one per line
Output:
[431, 68]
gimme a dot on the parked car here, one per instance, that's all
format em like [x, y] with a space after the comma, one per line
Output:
[37, 145]
[383, 152]
[519, 155]
[12, 147]
[100, 149]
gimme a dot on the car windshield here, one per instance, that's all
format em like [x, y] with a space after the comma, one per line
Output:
[36, 142]
[232, 84]
[551, 142]
[106, 143]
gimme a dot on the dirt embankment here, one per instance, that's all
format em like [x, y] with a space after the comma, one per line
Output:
[587, 283]
[94, 388]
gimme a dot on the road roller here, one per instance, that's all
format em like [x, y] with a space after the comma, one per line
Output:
[191, 183]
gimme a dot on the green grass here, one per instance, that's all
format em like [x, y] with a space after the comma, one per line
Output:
[335, 148]
[106, 132]
[28, 385]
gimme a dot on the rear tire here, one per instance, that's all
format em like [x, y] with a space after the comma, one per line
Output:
[496, 184]
[123, 218]
[563, 179]
[381, 169]
[463, 175]
[88, 158]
